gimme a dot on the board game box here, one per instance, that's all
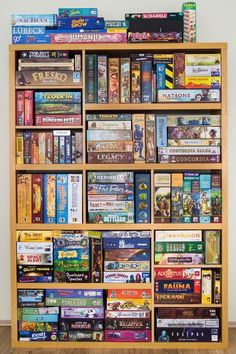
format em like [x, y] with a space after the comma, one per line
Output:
[43, 78]
[81, 336]
[127, 324]
[82, 312]
[129, 294]
[117, 243]
[78, 325]
[128, 304]
[127, 255]
[126, 277]
[189, 95]
[128, 314]
[128, 336]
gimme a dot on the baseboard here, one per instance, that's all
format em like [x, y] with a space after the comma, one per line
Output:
[232, 324]
[5, 323]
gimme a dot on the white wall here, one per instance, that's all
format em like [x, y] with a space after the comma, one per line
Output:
[216, 23]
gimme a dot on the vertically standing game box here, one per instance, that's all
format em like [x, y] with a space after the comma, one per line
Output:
[37, 200]
[96, 259]
[125, 80]
[162, 197]
[62, 199]
[75, 198]
[135, 82]
[142, 198]
[150, 138]
[114, 79]
[49, 198]
[190, 22]
[24, 198]
[138, 121]
[102, 79]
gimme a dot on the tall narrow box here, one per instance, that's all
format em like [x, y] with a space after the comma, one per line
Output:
[75, 199]
[62, 199]
[49, 198]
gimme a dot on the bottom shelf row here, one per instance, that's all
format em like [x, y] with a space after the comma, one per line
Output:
[114, 315]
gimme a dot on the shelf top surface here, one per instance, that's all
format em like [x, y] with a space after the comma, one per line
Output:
[119, 46]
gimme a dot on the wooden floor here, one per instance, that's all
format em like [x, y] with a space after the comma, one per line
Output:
[5, 348]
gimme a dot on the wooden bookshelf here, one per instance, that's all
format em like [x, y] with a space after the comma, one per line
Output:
[121, 49]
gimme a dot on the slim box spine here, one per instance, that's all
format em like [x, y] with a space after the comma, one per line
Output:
[161, 131]
[73, 148]
[177, 197]
[19, 148]
[125, 80]
[24, 198]
[162, 197]
[150, 134]
[75, 198]
[68, 149]
[62, 155]
[29, 99]
[179, 70]
[49, 198]
[138, 121]
[79, 147]
[42, 147]
[114, 80]
[135, 82]
[146, 89]
[206, 286]
[217, 287]
[62, 198]
[90, 73]
[27, 146]
[96, 259]
[20, 107]
[102, 92]
[49, 148]
[34, 150]
[37, 210]
[56, 149]
[142, 198]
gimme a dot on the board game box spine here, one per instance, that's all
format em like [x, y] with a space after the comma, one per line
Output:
[39, 318]
[127, 336]
[125, 80]
[85, 324]
[161, 131]
[49, 198]
[102, 79]
[191, 322]
[74, 198]
[73, 148]
[20, 108]
[189, 95]
[179, 70]
[113, 80]
[49, 148]
[62, 199]
[96, 260]
[127, 266]
[162, 197]
[193, 142]
[29, 336]
[109, 146]
[109, 135]
[127, 314]
[24, 198]
[183, 334]
[206, 286]
[56, 149]
[212, 246]
[146, 89]
[125, 234]
[73, 293]
[49, 20]
[68, 149]
[111, 217]
[136, 81]
[142, 198]
[48, 77]
[81, 336]
[116, 243]
[179, 258]
[115, 23]
[19, 148]
[108, 117]
[189, 158]
[81, 312]
[110, 157]
[216, 287]
[203, 70]
[76, 22]
[37, 200]
[177, 273]
[180, 247]
[126, 277]
[183, 286]
[178, 298]
[34, 148]
[78, 62]
[110, 177]
[109, 125]
[134, 304]
[65, 254]
[44, 54]
[118, 189]
[117, 206]
[27, 147]
[57, 119]
[74, 302]
[34, 247]
[138, 121]
[42, 97]
[150, 134]
[131, 294]
[202, 82]
[189, 22]
[42, 147]
[29, 97]
[84, 12]
[127, 255]
[79, 147]
[57, 108]
[127, 324]
[161, 37]
[91, 78]
[91, 37]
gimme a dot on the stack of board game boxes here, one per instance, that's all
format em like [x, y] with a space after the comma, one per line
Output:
[150, 138]
[83, 25]
[111, 197]
[187, 285]
[187, 325]
[49, 198]
[65, 315]
[62, 256]
[128, 316]
[150, 78]
[187, 197]
[126, 258]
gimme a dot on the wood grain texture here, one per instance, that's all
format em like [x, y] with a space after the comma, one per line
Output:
[6, 349]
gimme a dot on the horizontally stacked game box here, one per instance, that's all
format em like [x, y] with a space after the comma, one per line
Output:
[59, 256]
[118, 197]
[150, 77]
[187, 285]
[65, 315]
[82, 25]
[149, 138]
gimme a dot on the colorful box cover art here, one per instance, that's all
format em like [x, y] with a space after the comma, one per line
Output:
[125, 80]
[102, 79]
[114, 79]
[150, 138]
[162, 197]
[138, 121]
[24, 198]
[142, 198]
[128, 336]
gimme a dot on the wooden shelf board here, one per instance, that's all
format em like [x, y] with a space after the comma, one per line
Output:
[83, 286]
[187, 305]
[118, 226]
[122, 46]
[50, 87]
[124, 345]
[37, 127]
[107, 167]
[151, 106]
